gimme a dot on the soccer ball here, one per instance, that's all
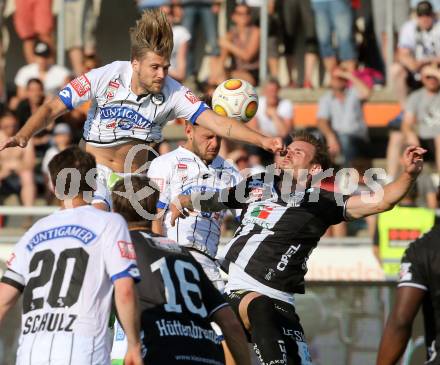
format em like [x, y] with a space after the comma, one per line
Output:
[235, 98]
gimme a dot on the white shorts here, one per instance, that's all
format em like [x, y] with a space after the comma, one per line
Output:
[63, 348]
[106, 178]
[119, 348]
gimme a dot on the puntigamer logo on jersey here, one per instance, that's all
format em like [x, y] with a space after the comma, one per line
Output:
[80, 233]
[129, 118]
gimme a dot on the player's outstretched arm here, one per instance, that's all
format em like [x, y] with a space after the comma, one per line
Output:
[44, 115]
[233, 129]
[8, 297]
[128, 315]
[234, 335]
[398, 328]
[360, 206]
[182, 205]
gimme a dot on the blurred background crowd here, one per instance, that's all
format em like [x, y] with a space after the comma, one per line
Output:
[332, 52]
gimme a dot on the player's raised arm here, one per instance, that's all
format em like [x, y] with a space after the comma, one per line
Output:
[44, 115]
[183, 204]
[358, 207]
[233, 129]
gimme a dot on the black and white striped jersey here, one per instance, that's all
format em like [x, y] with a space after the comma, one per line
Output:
[279, 231]
[66, 265]
[117, 114]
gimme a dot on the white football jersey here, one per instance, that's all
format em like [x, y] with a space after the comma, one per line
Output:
[182, 172]
[65, 265]
[117, 113]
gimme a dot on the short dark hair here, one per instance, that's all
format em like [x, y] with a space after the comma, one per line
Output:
[35, 81]
[321, 156]
[123, 205]
[272, 80]
[73, 158]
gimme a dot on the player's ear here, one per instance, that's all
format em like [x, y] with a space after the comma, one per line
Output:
[189, 130]
[51, 186]
[135, 64]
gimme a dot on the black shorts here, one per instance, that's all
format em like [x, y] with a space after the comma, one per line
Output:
[10, 185]
[429, 146]
[287, 320]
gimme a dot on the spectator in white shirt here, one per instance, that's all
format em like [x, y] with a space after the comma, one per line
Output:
[62, 138]
[418, 45]
[54, 77]
[275, 115]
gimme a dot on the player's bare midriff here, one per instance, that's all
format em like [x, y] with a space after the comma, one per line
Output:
[114, 157]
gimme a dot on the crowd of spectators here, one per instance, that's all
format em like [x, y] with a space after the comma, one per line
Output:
[323, 31]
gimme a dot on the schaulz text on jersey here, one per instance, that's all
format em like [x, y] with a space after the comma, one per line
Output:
[49, 322]
[127, 114]
[73, 231]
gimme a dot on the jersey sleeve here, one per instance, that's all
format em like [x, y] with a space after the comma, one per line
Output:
[237, 196]
[84, 87]
[332, 206]
[119, 253]
[412, 268]
[160, 173]
[15, 274]
[188, 106]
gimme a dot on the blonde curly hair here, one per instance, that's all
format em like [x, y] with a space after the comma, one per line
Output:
[153, 33]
